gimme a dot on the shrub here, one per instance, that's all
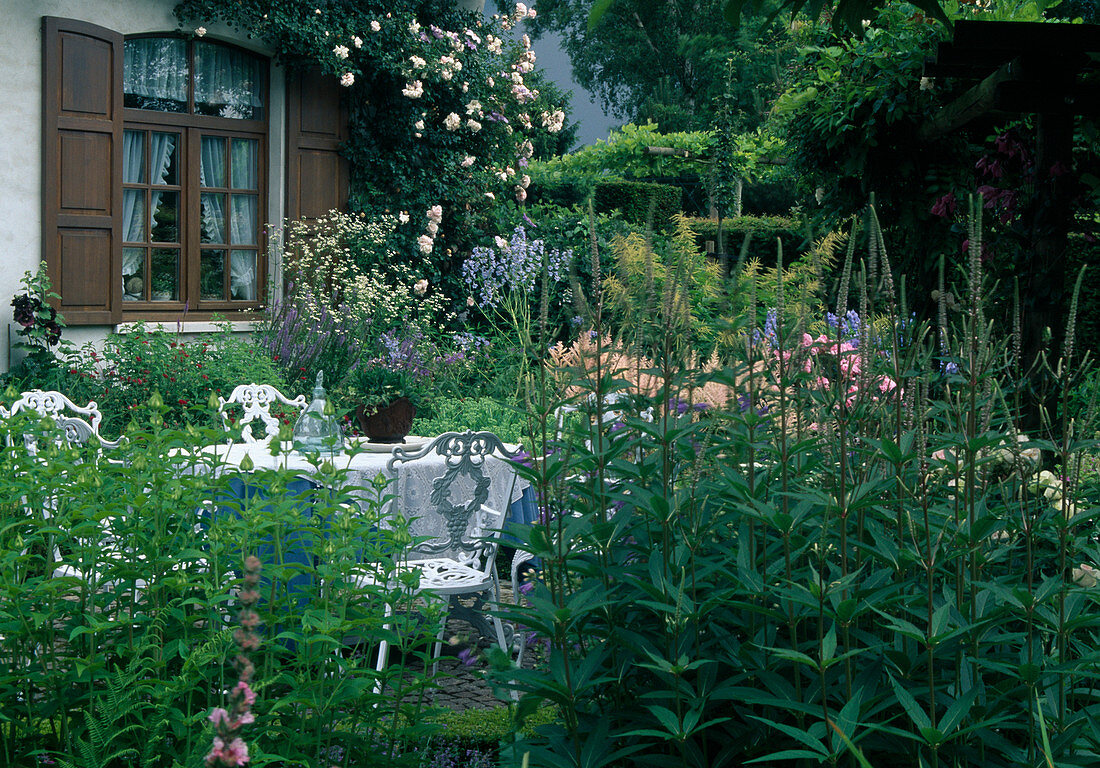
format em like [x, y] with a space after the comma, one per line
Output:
[638, 201]
[454, 414]
[729, 236]
[186, 372]
[560, 187]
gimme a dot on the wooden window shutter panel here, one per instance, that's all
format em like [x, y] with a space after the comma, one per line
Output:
[82, 169]
[317, 124]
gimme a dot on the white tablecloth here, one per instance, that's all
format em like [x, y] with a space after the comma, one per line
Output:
[413, 479]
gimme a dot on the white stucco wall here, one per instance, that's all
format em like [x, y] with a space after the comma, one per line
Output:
[21, 129]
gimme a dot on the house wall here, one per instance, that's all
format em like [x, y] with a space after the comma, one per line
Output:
[21, 132]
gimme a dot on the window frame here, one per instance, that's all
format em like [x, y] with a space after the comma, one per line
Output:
[191, 128]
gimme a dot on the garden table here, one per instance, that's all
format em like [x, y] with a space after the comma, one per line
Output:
[412, 481]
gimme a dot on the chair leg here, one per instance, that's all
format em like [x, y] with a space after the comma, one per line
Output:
[383, 651]
[438, 647]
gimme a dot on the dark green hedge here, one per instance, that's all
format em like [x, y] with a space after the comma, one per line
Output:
[634, 199]
[763, 231]
[561, 188]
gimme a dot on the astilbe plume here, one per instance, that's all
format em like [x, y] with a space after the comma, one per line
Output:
[229, 749]
[585, 357]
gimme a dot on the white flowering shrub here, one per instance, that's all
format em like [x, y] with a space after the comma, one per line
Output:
[444, 107]
[344, 291]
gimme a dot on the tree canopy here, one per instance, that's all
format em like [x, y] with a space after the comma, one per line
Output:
[668, 62]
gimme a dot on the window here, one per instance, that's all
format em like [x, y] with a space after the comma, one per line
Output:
[192, 202]
[154, 170]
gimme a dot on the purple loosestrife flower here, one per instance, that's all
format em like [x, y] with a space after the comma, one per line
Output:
[227, 748]
[468, 657]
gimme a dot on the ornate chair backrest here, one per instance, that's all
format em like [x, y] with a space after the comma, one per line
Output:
[75, 429]
[256, 401]
[453, 515]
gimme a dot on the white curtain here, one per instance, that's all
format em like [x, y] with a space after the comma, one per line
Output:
[242, 275]
[228, 82]
[212, 174]
[161, 147]
[243, 161]
[155, 68]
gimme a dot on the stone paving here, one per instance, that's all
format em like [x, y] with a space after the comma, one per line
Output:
[461, 687]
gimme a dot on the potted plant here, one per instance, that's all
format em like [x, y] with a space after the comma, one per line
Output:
[388, 382]
[163, 286]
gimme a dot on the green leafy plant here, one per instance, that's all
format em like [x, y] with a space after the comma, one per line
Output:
[858, 561]
[39, 325]
[130, 366]
[117, 569]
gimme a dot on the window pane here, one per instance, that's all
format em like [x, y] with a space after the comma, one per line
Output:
[244, 163]
[133, 157]
[213, 217]
[133, 274]
[166, 208]
[165, 162]
[133, 215]
[242, 275]
[212, 275]
[243, 220]
[212, 162]
[166, 274]
[228, 82]
[154, 74]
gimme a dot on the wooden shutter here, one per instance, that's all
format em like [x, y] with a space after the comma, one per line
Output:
[317, 176]
[82, 169]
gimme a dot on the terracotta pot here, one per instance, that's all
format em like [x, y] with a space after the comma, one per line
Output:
[388, 423]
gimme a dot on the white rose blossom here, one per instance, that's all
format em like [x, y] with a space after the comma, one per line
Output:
[468, 161]
[420, 287]
[425, 243]
[433, 228]
[358, 41]
[473, 125]
[403, 217]
[452, 121]
[201, 31]
[347, 79]
[414, 90]
[341, 51]
[375, 26]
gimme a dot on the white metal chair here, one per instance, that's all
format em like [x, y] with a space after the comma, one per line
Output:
[256, 401]
[72, 430]
[53, 404]
[459, 535]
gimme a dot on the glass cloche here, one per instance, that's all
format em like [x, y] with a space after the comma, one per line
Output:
[317, 429]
